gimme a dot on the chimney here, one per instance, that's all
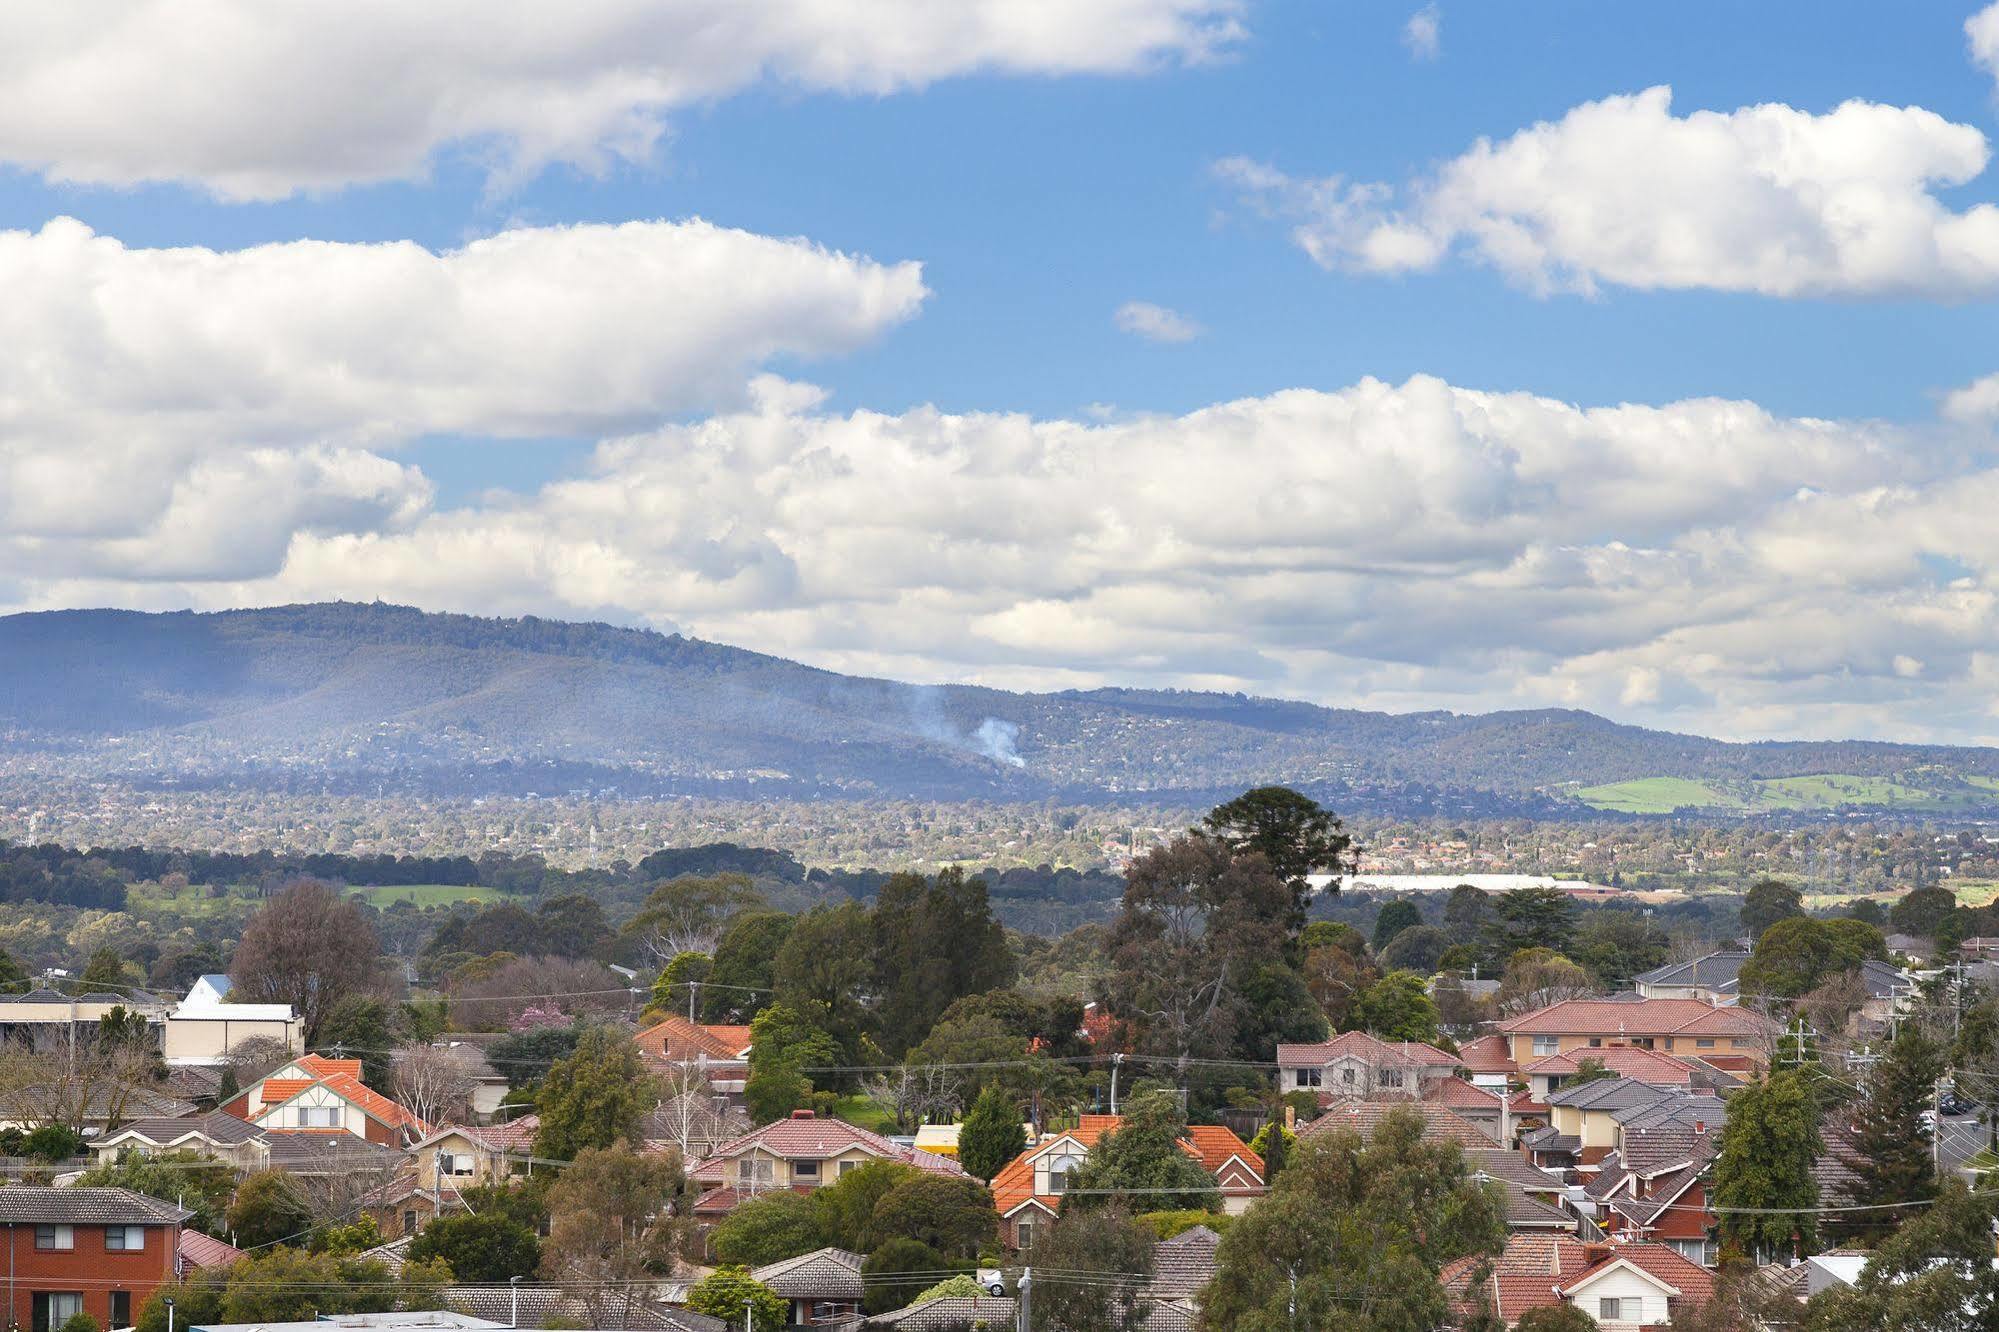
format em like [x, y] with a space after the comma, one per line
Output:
[1595, 1253]
[1291, 1116]
[803, 1114]
[1700, 1126]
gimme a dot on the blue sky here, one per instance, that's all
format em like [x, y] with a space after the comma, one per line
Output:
[1038, 201]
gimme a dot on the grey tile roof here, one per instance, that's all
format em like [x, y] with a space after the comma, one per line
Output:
[1609, 1094]
[1512, 1168]
[27, 1205]
[328, 1153]
[1720, 970]
[1529, 1213]
[950, 1311]
[823, 1274]
[1183, 1264]
[215, 1126]
[1648, 1150]
[1664, 1192]
[542, 1306]
[1678, 1108]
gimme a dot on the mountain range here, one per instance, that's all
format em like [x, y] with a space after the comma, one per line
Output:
[348, 695]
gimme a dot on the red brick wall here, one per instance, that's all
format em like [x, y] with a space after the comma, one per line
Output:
[88, 1269]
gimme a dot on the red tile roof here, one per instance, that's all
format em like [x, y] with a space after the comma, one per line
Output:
[1535, 1270]
[677, 1038]
[1642, 1017]
[1458, 1093]
[1214, 1144]
[1627, 1061]
[1487, 1054]
[278, 1090]
[809, 1137]
[1210, 1144]
[324, 1067]
[1360, 1045]
[199, 1250]
[351, 1089]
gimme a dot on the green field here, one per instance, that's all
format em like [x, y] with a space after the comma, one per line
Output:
[424, 894]
[1970, 893]
[1819, 791]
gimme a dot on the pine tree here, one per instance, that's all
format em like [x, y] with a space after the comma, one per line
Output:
[991, 1135]
[1892, 1149]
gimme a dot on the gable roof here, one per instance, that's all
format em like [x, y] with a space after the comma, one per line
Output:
[1440, 1122]
[1627, 1061]
[677, 1038]
[1637, 1017]
[350, 1089]
[1183, 1264]
[25, 1204]
[168, 1132]
[823, 1274]
[1460, 1095]
[1213, 1145]
[1719, 971]
[809, 1137]
[1528, 1273]
[1360, 1045]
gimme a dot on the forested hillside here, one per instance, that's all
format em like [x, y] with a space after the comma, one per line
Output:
[350, 696]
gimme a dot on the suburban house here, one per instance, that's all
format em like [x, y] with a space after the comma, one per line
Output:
[1487, 1109]
[457, 1157]
[1440, 1122]
[94, 1251]
[224, 1137]
[207, 991]
[1654, 1186]
[1624, 1287]
[1548, 1075]
[1713, 979]
[43, 1019]
[1589, 1121]
[1728, 1037]
[1489, 1060]
[1533, 1196]
[799, 1153]
[721, 1054]
[1028, 1190]
[325, 1095]
[823, 1287]
[1354, 1063]
[205, 1028]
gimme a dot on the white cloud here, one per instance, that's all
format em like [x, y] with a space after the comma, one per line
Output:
[253, 100]
[1156, 323]
[1976, 401]
[1981, 32]
[1423, 34]
[1703, 563]
[1622, 192]
[178, 410]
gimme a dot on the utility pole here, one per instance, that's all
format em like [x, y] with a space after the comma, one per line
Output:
[693, 988]
[1116, 1059]
[1026, 1299]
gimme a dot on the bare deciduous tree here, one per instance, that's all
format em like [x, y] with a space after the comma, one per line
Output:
[434, 1083]
[74, 1084]
[308, 947]
[612, 1228]
[916, 1093]
[576, 988]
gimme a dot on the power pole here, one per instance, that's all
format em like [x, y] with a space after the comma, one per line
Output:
[1116, 1059]
[1026, 1299]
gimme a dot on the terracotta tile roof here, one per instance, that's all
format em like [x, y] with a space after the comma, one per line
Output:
[324, 1067]
[1643, 1017]
[351, 1089]
[1360, 1045]
[1459, 1094]
[1695, 1283]
[1487, 1054]
[1534, 1267]
[809, 1137]
[1441, 1123]
[1627, 1061]
[199, 1250]
[1214, 1144]
[677, 1038]
[1210, 1144]
[276, 1091]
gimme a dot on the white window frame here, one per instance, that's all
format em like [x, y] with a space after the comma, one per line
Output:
[1547, 1045]
[319, 1116]
[805, 1170]
[1610, 1309]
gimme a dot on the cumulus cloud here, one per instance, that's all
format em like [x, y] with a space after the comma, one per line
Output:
[1622, 192]
[1156, 323]
[1703, 563]
[1981, 31]
[1976, 401]
[1423, 34]
[188, 411]
[258, 101]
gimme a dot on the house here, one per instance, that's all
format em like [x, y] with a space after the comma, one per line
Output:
[1489, 1060]
[695, 1123]
[456, 1157]
[1440, 1122]
[1623, 1287]
[199, 1251]
[224, 1137]
[94, 1251]
[1486, 1108]
[1533, 1196]
[1671, 1026]
[489, 1085]
[199, 1031]
[720, 1054]
[823, 1287]
[1589, 1121]
[1548, 1075]
[1354, 1063]
[799, 1153]
[325, 1095]
[44, 1019]
[1028, 1190]
[1713, 979]
[207, 991]
[950, 1313]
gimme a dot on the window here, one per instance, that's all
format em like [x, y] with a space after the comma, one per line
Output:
[55, 1237]
[1596, 1042]
[754, 1170]
[1610, 1310]
[319, 1116]
[805, 1170]
[1701, 1251]
[125, 1239]
[845, 1166]
[409, 1222]
[1023, 1234]
[1309, 1077]
[1643, 1042]
[831, 1311]
[1391, 1077]
[53, 1308]
[1346, 1076]
[1704, 1043]
[1547, 1045]
[1058, 1180]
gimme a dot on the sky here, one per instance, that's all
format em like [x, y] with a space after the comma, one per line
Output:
[1635, 358]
